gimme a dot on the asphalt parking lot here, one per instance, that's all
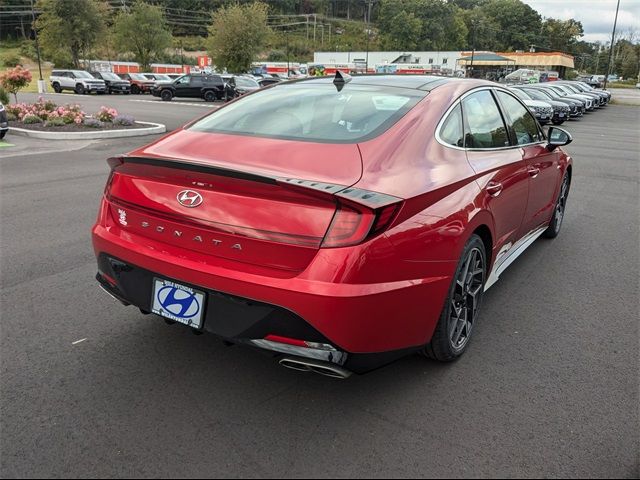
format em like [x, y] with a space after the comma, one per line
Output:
[549, 387]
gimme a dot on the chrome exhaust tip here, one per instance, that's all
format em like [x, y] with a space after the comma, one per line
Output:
[321, 368]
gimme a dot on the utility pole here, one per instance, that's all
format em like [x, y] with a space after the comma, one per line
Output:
[41, 84]
[286, 36]
[366, 63]
[613, 38]
[473, 47]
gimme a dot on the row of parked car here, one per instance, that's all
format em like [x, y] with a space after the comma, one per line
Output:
[557, 102]
[209, 87]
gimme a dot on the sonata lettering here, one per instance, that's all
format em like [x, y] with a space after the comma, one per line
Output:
[197, 238]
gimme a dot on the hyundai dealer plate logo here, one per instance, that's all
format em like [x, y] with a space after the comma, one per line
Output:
[178, 302]
[189, 198]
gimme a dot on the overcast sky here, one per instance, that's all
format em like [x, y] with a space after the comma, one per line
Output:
[596, 15]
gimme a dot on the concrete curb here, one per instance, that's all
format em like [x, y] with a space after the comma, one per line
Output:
[155, 128]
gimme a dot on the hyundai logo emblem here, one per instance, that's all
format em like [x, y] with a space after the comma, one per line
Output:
[189, 198]
[178, 302]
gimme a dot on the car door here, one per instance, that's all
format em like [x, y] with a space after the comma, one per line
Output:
[543, 166]
[195, 86]
[502, 171]
[182, 86]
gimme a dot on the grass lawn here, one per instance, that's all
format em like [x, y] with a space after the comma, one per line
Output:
[9, 49]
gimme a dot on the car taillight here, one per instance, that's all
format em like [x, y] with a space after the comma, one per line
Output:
[352, 224]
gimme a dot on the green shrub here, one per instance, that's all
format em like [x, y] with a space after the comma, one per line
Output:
[28, 49]
[11, 60]
[11, 117]
[93, 123]
[55, 122]
[31, 119]
[4, 96]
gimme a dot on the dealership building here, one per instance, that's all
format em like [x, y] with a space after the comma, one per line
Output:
[452, 61]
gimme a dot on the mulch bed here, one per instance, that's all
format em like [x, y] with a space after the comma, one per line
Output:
[72, 127]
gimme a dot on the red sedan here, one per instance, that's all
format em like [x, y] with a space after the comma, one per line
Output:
[338, 223]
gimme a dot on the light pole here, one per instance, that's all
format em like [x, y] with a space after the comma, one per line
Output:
[613, 37]
[473, 47]
[366, 63]
[41, 85]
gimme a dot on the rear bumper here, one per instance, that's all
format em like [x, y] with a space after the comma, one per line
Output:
[379, 318]
[242, 321]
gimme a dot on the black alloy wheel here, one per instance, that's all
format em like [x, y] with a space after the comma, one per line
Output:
[460, 313]
[558, 213]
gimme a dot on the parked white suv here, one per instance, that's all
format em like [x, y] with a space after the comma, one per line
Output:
[79, 81]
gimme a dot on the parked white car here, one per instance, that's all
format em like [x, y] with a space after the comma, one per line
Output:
[79, 81]
[543, 111]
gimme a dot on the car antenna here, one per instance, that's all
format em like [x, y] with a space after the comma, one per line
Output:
[341, 79]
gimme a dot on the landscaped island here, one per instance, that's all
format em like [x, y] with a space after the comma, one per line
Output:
[45, 115]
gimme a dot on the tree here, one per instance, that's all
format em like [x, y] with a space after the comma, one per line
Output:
[519, 25]
[68, 29]
[561, 34]
[15, 79]
[143, 31]
[482, 30]
[403, 32]
[237, 35]
[441, 25]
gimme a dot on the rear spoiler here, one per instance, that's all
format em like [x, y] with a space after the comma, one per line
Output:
[367, 198]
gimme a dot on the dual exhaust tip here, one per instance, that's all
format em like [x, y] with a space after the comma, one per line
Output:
[321, 368]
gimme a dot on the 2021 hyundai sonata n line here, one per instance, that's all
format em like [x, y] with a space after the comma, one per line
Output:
[337, 223]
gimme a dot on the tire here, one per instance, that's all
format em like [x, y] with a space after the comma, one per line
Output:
[135, 90]
[56, 87]
[79, 89]
[558, 122]
[558, 212]
[454, 330]
[209, 96]
[166, 95]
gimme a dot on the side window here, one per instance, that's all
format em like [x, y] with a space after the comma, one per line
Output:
[196, 82]
[523, 123]
[452, 130]
[183, 81]
[484, 127]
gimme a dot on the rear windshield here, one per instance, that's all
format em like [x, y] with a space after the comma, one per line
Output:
[314, 112]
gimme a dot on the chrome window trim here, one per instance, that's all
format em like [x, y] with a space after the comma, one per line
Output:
[459, 101]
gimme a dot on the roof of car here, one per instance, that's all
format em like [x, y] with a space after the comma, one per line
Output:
[417, 82]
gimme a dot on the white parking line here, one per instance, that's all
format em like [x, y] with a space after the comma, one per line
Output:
[67, 94]
[78, 341]
[201, 105]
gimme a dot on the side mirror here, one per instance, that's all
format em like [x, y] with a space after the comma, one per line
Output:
[557, 137]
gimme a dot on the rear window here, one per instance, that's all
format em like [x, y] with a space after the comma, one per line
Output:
[314, 112]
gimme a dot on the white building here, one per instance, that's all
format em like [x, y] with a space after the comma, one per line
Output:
[439, 59]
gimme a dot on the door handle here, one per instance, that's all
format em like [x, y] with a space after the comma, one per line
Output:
[534, 171]
[494, 188]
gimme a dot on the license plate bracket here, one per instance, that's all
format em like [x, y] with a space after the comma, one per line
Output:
[178, 302]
